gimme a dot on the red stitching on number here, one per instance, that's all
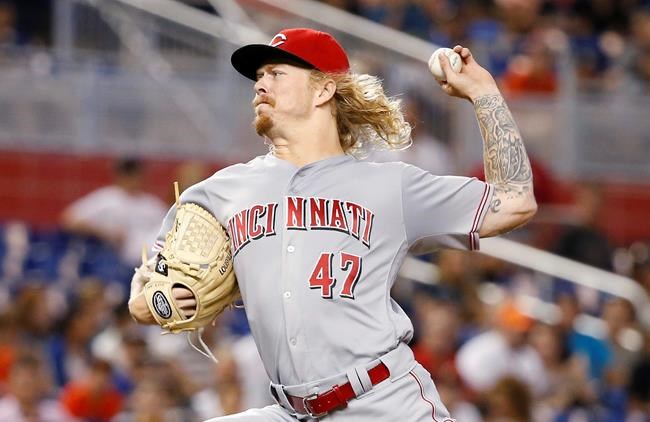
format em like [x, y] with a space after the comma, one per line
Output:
[433, 407]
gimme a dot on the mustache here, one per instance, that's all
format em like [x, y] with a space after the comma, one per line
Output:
[263, 99]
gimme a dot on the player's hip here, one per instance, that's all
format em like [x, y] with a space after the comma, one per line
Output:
[393, 387]
[412, 397]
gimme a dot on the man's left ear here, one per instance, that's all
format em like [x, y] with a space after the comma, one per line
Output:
[326, 92]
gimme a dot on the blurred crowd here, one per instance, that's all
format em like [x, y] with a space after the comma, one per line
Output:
[523, 42]
[69, 351]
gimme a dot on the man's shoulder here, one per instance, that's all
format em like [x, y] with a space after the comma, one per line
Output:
[370, 164]
[240, 168]
[226, 177]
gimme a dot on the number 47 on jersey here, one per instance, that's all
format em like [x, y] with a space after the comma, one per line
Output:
[321, 278]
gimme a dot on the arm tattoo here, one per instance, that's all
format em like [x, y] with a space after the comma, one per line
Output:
[495, 206]
[506, 163]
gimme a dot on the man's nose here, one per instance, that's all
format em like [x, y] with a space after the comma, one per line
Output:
[260, 86]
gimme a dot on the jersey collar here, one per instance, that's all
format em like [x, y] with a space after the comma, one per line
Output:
[325, 162]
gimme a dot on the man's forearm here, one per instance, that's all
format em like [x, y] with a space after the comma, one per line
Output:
[504, 156]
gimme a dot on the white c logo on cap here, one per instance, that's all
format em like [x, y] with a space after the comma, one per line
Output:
[281, 38]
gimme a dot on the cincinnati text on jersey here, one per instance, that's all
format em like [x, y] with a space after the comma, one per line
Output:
[258, 221]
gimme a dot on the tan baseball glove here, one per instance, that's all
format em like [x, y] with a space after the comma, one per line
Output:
[196, 256]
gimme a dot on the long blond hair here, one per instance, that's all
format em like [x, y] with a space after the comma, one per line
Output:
[366, 118]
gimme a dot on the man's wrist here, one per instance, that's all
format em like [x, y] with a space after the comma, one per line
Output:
[483, 93]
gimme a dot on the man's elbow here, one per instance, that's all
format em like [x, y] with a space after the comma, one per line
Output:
[523, 214]
[528, 210]
[510, 216]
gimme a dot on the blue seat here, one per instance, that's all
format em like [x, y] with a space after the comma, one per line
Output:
[46, 249]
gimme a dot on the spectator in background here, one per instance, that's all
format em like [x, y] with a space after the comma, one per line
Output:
[458, 278]
[584, 241]
[509, 400]
[26, 398]
[502, 351]
[638, 389]
[225, 396]
[623, 332]
[638, 60]
[122, 344]
[435, 348]
[121, 214]
[7, 25]
[583, 343]
[8, 344]
[569, 383]
[93, 397]
[159, 396]
[69, 349]
[628, 345]
[533, 71]
[641, 271]
[33, 21]
[35, 315]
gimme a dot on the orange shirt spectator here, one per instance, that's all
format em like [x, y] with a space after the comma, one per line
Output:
[94, 397]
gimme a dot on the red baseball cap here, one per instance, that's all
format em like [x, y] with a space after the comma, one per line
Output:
[308, 47]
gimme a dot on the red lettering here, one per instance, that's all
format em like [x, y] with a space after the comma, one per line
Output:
[352, 264]
[270, 219]
[321, 278]
[369, 217]
[338, 221]
[241, 232]
[296, 213]
[355, 210]
[317, 212]
[255, 230]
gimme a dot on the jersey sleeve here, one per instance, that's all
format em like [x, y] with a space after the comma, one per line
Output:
[195, 194]
[442, 211]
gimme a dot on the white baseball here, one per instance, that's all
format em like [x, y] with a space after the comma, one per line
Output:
[434, 62]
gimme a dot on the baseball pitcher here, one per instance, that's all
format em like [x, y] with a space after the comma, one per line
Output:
[317, 237]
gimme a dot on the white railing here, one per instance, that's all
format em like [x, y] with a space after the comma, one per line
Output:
[546, 263]
[198, 20]
[380, 35]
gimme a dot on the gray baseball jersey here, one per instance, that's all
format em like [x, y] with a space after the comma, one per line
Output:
[317, 250]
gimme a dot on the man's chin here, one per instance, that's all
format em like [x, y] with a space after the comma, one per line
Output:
[263, 125]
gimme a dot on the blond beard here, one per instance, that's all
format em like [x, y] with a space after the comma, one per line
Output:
[263, 124]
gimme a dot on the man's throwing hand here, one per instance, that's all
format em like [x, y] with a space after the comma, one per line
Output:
[471, 82]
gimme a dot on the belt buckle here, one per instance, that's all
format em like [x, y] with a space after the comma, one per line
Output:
[307, 407]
